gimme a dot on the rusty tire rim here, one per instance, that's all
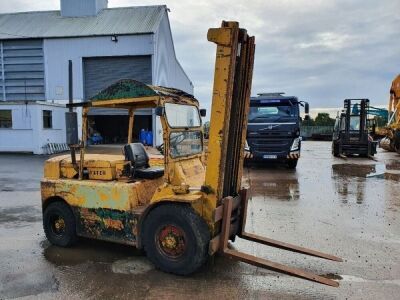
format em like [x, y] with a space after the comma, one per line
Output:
[171, 241]
[57, 225]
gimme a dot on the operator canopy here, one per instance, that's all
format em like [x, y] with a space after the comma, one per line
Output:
[127, 93]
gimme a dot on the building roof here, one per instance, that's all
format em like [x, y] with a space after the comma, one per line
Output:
[50, 24]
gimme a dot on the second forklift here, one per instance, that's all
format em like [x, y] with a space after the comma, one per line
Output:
[351, 133]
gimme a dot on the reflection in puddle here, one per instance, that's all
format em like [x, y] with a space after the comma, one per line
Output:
[87, 251]
[274, 186]
[392, 164]
[352, 170]
[350, 179]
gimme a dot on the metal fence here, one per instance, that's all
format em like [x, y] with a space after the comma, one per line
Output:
[317, 132]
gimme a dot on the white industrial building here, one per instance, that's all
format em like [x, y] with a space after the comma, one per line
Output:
[104, 44]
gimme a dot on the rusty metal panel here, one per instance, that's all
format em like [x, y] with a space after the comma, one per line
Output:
[107, 224]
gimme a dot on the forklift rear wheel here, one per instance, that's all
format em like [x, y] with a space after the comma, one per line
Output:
[176, 239]
[292, 163]
[59, 224]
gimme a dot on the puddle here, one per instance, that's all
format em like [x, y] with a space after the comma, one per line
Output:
[20, 216]
[379, 171]
[28, 285]
[353, 170]
[7, 189]
[133, 265]
[272, 184]
[287, 190]
[87, 250]
[393, 165]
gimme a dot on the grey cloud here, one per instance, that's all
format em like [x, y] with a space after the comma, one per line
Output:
[322, 51]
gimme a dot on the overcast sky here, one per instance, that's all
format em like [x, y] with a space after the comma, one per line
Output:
[320, 51]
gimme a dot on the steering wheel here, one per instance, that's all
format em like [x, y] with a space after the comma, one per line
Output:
[174, 142]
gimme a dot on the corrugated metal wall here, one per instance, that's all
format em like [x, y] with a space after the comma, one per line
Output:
[22, 70]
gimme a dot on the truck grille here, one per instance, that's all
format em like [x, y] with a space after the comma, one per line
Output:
[270, 144]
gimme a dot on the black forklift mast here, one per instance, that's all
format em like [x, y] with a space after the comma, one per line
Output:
[351, 110]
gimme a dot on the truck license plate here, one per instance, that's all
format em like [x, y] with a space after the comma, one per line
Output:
[268, 156]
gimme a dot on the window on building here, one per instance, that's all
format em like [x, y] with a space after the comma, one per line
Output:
[47, 119]
[5, 118]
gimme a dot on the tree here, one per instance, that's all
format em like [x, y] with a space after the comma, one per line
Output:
[309, 122]
[323, 119]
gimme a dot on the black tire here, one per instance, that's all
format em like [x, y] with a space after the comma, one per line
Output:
[63, 235]
[396, 147]
[291, 164]
[189, 234]
[335, 149]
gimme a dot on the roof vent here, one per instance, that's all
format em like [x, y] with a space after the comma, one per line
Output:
[82, 8]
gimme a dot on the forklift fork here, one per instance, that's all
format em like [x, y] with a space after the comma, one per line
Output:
[224, 213]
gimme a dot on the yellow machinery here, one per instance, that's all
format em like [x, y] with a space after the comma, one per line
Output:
[185, 212]
[391, 142]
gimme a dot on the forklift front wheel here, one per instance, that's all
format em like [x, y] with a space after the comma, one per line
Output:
[59, 224]
[176, 239]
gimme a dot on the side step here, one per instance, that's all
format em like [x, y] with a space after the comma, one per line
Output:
[230, 204]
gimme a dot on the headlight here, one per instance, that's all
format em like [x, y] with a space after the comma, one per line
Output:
[246, 146]
[295, 145]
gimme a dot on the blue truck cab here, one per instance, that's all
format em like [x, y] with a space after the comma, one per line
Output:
[273, 132]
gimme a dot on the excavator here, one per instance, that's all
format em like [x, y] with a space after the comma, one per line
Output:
[391, 141]
[185, 212]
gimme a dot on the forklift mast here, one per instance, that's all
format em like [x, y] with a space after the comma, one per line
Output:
[230, 107]
[228, 126]
[359, 108]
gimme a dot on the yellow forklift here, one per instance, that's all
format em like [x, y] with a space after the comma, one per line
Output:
[188, 210]
[391, 133]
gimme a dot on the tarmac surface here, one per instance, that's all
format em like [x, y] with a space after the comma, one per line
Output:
[348, 208]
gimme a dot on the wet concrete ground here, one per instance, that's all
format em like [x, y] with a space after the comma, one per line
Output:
[349, 208]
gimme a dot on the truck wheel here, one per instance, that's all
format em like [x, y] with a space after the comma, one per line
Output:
[59, 224]
[176, 239]
[335, 149]
[292, 164]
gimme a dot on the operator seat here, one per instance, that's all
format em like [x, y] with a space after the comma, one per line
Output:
[137, 155]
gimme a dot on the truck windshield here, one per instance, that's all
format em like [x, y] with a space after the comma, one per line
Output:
[259, 114]
[180, 115]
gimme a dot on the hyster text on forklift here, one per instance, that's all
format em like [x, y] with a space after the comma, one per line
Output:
[186, 211]
[273, 132]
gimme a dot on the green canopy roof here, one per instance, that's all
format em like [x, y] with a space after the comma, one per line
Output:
[128, 88]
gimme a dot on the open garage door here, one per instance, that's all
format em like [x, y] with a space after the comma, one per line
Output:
[114, 129]
[101, 72]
